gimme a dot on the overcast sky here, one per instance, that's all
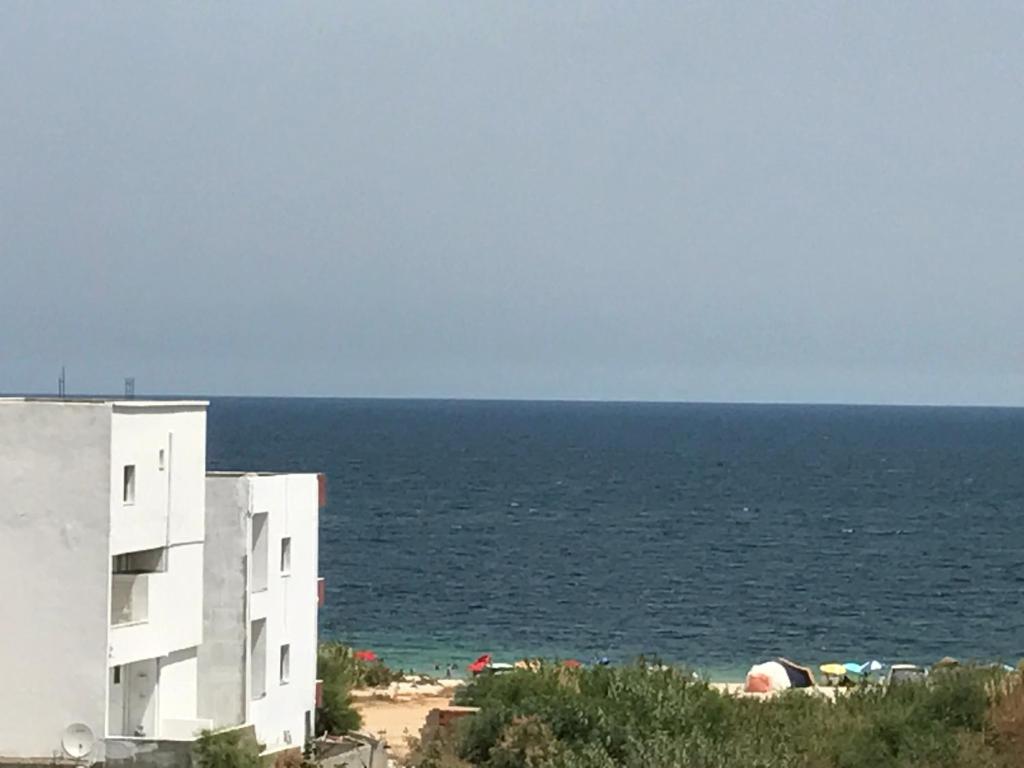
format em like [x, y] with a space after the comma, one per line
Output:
[635, 200]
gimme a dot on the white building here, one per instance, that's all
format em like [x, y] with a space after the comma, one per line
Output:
[258, 659]
[102, 539]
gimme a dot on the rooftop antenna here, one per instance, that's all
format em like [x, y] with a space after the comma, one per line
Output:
[129, 388]
[62, 384]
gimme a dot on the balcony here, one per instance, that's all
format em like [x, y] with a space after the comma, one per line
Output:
[129, 599]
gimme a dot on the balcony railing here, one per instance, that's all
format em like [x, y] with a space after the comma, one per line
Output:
[129, 598]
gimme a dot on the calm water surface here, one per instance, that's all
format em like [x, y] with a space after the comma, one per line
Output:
[710, 534]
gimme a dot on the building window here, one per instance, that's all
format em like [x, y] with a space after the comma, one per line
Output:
[142, 561]
[286, 663]
[258, 656]
[286, 555]
[128, 494]
[117, 675]
[260, 551]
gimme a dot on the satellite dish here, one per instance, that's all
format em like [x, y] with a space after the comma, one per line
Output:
[77, 740]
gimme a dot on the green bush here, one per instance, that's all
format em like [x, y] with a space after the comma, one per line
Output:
[337, 669]
[226, 749]
[635, 717]
[340, 672]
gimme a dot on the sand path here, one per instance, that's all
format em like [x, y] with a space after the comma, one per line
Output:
[395, 720]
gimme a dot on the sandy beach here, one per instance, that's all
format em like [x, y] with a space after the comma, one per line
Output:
[397, 712]
[736, 689]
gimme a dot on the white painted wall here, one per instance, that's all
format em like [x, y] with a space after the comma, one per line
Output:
[179, 696]
[291, 605]
[175, 611]
[289, 602]
[170, 503]
[166, 443]
[55, 565]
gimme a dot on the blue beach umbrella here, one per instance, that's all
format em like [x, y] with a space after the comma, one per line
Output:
[853, 669]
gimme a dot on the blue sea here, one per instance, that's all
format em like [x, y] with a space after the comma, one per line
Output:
[710, 535]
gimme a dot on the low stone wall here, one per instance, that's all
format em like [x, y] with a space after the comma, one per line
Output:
[157, 753]
[354, 751]
[148, 753]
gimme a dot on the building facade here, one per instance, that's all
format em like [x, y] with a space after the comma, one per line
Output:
[258, 659]
[103, 546]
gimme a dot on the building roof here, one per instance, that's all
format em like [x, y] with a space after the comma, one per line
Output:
[243, 473]
[119, 402]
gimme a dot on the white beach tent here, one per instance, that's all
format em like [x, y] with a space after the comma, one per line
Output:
[767, 677]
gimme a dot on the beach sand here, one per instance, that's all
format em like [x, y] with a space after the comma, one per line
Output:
[399, 711]
[736, 689]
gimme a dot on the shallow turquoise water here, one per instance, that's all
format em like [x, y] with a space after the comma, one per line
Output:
[714, 535]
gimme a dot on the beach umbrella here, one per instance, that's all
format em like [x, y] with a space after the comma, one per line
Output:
[480, 664]
[853, 669]
[572, 664]
[364, 656]
[872, 666]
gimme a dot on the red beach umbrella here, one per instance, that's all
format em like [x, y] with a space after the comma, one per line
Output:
[572, 664]
[480, 664]
[364, 656]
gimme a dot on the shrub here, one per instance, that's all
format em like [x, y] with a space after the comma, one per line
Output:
[340, 672]
[374, 674]
[1006, 717]
[636, 717]
[336, 668]
[440, 752]
[527, 742]
[226, 749]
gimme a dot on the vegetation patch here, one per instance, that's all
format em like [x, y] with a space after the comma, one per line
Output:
[636, 717]
[341, 672]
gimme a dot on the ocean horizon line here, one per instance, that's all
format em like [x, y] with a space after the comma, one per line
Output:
[524, 400]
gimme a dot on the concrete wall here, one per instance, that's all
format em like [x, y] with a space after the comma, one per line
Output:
[55, 558]
[149, 753]
[155, 753]
[355, 751]
[222, 656]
